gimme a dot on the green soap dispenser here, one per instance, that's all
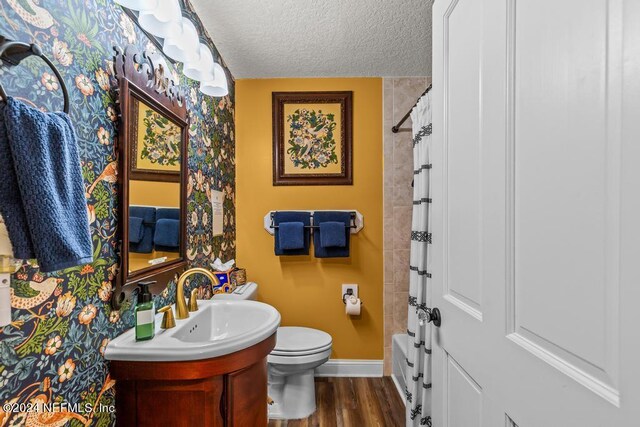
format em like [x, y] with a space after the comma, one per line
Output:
[145, 313]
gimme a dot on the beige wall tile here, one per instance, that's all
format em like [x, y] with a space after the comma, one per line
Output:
[401, 269]
[399, 96]
[402, 226]
[402, 195]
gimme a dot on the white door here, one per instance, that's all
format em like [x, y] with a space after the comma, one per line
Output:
[536, 213]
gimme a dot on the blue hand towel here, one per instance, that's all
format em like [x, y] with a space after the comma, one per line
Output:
[136, 229]
[167, 235]
[332, 234]
[47, 173]
[148, 215]
[291, 235]
[168, 238]
[11, 206]
[284, 217]
[322, 251]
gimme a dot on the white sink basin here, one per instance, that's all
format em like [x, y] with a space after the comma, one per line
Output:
[217, 328]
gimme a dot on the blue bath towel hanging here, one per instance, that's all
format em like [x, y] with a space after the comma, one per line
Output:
[47, 174]
[148, 215]
[336, 226]
[292, 217]
[167, 235]
[167, 213]
[136, 229]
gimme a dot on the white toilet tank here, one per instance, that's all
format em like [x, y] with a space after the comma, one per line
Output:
[248, 291]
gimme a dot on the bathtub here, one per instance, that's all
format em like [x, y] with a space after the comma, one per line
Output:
[398, 359]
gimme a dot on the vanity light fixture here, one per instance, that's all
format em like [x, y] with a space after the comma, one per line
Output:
[164, 20]
[180, 42]
[138, 4]
[218, 86]
[202, 69]
[183, 47]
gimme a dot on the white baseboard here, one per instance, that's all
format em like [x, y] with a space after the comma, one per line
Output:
[350, 368]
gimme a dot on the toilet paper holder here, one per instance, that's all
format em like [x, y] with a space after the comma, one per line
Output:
[348, 294]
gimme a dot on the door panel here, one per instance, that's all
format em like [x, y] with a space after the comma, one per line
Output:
[462, 391]
[464, 234]
[562, 130]
[535, 211]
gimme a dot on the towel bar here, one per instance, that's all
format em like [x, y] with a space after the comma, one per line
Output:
[357, 221]
[353, 220]
[12, 52]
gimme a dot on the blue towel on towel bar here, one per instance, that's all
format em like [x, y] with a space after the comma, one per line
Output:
[167, 213]
[148, 215]
[332, 234]
[320, 218]
[290, 216]
[167, 235]
[291, 235]
[48, 220]
[136, 229]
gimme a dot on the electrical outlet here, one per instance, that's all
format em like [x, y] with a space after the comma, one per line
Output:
[347, 286]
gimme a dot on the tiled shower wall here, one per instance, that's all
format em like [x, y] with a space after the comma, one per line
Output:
[400, 94]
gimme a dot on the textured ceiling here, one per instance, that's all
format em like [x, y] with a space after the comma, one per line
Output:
[312, 38]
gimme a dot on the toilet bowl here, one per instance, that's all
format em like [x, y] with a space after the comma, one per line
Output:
[291, 364]
[298, 352]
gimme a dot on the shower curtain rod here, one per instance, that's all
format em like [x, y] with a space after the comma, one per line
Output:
[396, 128]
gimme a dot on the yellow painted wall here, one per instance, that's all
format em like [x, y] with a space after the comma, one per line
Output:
[154, 193]
[306, 290]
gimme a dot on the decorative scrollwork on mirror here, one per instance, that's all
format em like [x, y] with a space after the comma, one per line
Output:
[152, 172]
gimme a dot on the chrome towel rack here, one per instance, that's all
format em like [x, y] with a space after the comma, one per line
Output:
[13, 52]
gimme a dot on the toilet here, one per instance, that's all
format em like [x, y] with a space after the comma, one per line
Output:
[291, 364]
[298, 352]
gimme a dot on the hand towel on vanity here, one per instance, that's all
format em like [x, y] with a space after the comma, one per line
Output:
[331, 239]
[166, 238]
[291, 232]
[148, 215]
[46, 211]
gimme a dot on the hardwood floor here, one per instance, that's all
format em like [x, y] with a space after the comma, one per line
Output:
[353, 402]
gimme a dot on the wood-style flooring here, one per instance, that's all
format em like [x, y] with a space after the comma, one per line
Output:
[353, 402]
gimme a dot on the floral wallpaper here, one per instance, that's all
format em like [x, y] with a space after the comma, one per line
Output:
[52, 353]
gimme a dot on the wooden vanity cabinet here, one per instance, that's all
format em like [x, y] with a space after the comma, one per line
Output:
[229, 390]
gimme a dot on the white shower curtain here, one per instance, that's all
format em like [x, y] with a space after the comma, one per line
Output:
[418, 369]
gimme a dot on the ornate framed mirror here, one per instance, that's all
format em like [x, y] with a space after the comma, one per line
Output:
[152, 172]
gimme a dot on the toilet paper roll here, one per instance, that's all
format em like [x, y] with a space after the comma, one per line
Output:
[353, 306]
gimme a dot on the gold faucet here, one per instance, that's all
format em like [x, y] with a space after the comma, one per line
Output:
[181, 302]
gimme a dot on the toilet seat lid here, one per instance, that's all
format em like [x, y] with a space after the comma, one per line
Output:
[296, 339]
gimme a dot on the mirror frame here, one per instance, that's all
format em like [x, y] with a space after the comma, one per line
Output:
[143, 77]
